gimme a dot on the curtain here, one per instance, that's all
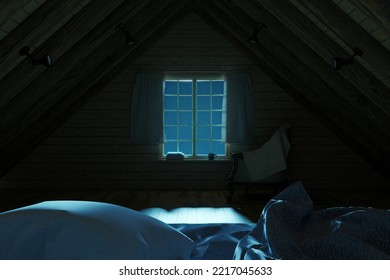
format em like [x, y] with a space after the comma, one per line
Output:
[146, 115]
[240, 109]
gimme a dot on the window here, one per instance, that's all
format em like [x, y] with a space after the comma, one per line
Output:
[194, 116]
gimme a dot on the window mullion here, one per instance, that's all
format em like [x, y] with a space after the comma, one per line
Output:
[194, 125]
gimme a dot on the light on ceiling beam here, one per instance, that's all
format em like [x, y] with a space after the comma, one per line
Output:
[254, 38]
[129, 40]
[339, 63]
[45, 60]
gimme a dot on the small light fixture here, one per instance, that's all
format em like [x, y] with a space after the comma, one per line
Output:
[338, 62]
[129, 40]
[254, 39]
[45, 60]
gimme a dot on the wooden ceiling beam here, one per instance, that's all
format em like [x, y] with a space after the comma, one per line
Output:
[155, 25]
[351, 33]
[69, 69]
[314, 37]
[366, 112]
[58, 43]
[304, 85]
[34, 28]
[8, 9]
[377, 10]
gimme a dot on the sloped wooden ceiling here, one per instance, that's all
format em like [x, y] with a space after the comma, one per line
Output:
[295, 50]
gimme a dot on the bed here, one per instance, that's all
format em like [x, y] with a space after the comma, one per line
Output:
[287, 228]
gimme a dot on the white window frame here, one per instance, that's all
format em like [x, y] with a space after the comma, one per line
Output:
[197, 77]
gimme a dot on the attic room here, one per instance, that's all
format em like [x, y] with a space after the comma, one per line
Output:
[70, 69]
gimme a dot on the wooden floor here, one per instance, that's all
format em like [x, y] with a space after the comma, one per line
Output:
[245, 205]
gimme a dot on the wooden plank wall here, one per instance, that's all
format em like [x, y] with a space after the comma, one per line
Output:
[92, 150]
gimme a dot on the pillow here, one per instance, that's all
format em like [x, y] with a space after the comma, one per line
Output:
[87, 230]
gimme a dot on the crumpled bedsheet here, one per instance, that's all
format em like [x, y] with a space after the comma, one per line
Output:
[289, 228]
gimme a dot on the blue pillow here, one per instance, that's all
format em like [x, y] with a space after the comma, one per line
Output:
[88, 230]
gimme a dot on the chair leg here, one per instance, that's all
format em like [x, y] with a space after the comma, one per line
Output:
[231, 191]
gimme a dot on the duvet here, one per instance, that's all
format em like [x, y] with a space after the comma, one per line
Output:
[287, 228]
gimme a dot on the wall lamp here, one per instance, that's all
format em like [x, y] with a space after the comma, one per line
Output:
[254, 39]
[338, 62]
[45, 60]
[129, 40]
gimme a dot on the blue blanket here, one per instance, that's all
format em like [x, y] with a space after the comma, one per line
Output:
[289, 228]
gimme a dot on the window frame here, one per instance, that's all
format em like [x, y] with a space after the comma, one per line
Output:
[194, 77]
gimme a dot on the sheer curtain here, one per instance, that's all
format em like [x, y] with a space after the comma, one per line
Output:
[240, 109]
[146, 115]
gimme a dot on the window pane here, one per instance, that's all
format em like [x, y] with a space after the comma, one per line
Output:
[185, 118]
[217, 102]
[202, 148]
[203, 87]
[170, 118]
[185, 132]
[217, 132]
[217, 87]
[185, 102]
[170, 102]
[186, 148]
[170, 87]
[203, 103]
[185, 87]
[218, 148]
[203, 118]
[203, 132]
[170, 147]
[170, 132]
[217, 117]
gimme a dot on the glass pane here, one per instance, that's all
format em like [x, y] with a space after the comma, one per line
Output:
[217, 87]
[170, 147]
[218, 148]
[185, 132]
[217, 102]
[203, 102]
[170, 102]
[203, 118]
[170, 118]
[203, 132]
[186, 148]
[170, 132]
[202, 148]
[185, 102]
[217, 132]
[217, 117]
[185, 118]
[185, 87]
[170, 87]
[203, 87]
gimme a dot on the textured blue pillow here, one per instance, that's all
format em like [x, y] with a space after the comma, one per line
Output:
[88, 230]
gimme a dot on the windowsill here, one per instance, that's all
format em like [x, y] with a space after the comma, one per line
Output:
[196, 160]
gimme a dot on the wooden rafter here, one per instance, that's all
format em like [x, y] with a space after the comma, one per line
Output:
[351, 33]
[111, 56]
[58, 44]
[377, 10]
[8, 8]
[69, 69]
[366, 112]
[313, 36]
[303, 84]
[34, 28]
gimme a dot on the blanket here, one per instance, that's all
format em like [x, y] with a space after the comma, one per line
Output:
[270, 158]
[289, 228]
